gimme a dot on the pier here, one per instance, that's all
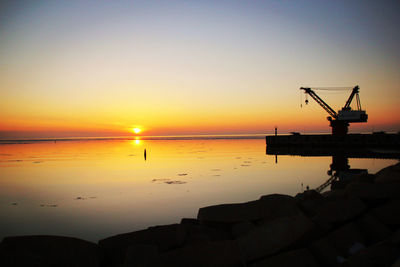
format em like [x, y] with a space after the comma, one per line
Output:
[374, 140]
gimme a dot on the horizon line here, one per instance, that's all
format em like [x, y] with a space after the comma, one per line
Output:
[159, 137]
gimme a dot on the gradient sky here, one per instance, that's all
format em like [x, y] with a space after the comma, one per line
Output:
[100, 68]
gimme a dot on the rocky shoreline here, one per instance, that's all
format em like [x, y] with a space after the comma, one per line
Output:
[355, 224]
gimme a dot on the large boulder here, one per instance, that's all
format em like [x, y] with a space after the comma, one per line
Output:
[164, 237]
[242, 228]
[200, 233]
[266, 208]
[379, 255]
[230, 213]
[336, 246]
[48, 251]
[309, 201]
[333, 211]
[141, 256]
[395, 238]
[276, 205]
[396, 264]
[213, 254]
[389, 174]
[374, 192]
[274, 236]
[299, 258]
[389, 213]
[372, 229]
[308, 195]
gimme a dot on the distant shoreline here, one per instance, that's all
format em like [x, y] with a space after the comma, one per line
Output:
[172, 137]
[150, 137]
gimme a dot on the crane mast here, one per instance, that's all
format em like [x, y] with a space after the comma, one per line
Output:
[339, 121]
[355, 91]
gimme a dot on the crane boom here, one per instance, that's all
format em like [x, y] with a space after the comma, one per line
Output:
[320, 101]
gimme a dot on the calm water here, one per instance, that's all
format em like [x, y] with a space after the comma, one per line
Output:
[94, 189]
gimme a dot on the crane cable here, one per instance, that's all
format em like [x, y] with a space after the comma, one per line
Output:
[345, 88]
[301, 99]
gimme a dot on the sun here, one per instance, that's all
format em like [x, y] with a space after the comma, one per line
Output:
[136, 130]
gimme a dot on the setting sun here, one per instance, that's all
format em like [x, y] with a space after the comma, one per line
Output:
[136, 130]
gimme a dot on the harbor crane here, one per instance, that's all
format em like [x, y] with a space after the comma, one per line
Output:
[339, 121]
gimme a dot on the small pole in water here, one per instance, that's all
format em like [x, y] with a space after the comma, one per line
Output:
[276, 131]
[145, 154]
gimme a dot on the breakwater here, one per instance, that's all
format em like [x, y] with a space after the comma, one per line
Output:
[355, 225]
[380, 140]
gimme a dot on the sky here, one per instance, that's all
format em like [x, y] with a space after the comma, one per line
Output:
[102, 68]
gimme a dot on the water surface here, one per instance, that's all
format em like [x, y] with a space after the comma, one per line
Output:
[92, 189]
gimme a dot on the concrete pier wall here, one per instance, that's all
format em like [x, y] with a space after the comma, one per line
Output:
[328, 140]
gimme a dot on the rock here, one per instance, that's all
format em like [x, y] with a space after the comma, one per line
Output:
[309, 201]
[276, 205]
[141, 256]
[164, 237]
[352, 176]
[242, 228]
[396, 264]
[356, 247]
[48, 251]
[274, 236]
[378, 255]
[365, 178]
[338, 184]
[338, 245]
[299, 258]
[220, 253]
[266, 208]
[389, 213]
[190, 221]
[308, 195]
[230, 213]
[339, 193]
[325, 253]
[198, 233]
[395, 238]
[389, 174]
[338, 210]
[372, 229]
[377, 191]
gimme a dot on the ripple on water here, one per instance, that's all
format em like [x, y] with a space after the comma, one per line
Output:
[175, 182]
[167, 181]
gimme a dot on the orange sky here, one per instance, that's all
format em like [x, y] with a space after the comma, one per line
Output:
[72, 69]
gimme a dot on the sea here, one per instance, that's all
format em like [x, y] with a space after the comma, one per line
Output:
[93, 188]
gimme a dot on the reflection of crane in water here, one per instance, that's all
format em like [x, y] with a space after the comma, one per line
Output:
[326, 184]
[340, 170]
[339, 121]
